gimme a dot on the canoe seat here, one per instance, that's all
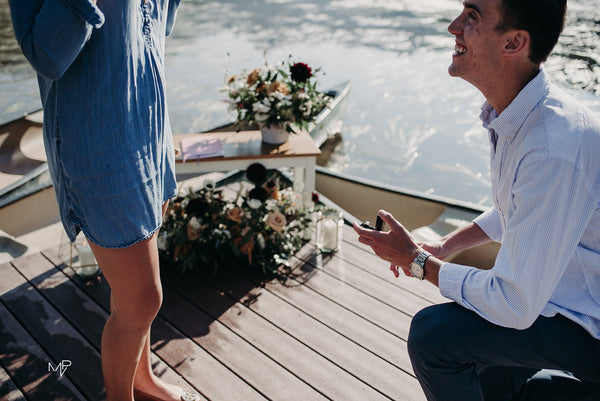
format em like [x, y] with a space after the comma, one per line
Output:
[450, 219]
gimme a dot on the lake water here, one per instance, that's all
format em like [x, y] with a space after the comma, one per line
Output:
[408, 123]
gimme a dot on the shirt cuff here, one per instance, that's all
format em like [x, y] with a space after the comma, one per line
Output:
[450, 280]
[87, 10]
[489, 222]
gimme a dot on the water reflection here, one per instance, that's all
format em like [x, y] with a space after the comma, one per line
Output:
[10, 53]
[387, 25]
[404, 111]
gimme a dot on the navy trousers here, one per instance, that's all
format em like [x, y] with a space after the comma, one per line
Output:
[459, 356]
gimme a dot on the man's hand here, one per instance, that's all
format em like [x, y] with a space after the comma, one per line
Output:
[397, 245]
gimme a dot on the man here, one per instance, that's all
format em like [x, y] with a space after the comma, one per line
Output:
[539, 306]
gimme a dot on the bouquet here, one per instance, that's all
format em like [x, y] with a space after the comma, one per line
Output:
[285, 95]
[260, 229]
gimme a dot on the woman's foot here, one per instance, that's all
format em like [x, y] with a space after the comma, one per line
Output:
[161, 391]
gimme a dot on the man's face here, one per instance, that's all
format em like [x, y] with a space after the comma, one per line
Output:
[478, 44]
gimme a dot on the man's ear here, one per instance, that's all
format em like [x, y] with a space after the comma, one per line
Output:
[517, 41]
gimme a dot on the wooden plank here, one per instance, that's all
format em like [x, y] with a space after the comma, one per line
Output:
[281, 346]
[376, 312]
[78, 308]
[373, 285]
[248, 145]
[20, 354]
[261, 372]
[363, 257]
[9, 391]
[178, 354]
[205, 373]
[380, 342]
[60, 340]
[353, 358]
[98, 290]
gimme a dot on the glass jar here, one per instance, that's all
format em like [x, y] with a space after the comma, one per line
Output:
[330, 226]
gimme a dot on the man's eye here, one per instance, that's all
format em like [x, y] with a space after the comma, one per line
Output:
[472, 16]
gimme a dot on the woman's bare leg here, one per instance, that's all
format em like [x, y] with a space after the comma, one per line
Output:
[133, 276]
[136, 295]
[147, 382]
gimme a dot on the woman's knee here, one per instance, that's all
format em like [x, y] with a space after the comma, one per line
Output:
[138, 306]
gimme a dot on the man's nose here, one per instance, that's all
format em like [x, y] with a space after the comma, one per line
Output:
[455, 26]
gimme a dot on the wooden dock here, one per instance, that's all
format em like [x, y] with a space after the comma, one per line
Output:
[334, 329]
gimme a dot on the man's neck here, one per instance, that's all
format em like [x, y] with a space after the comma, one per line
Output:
[502, 92]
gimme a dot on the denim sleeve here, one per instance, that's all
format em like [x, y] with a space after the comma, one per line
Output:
[52, 33]
[173, 5]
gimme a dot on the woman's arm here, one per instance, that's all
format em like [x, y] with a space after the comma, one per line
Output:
[52, 33]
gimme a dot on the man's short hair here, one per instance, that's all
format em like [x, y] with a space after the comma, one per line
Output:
[543, 19]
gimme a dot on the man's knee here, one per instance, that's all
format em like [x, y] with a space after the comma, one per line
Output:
[432, 328]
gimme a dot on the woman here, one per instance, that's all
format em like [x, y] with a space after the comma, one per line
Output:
[110, 152]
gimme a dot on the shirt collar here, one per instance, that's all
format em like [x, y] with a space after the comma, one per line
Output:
[512, 118]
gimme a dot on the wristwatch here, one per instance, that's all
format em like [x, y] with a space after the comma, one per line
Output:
[417, 266]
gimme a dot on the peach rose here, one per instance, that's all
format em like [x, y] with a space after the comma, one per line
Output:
[280, 87]
[253, 77]
[261, 87]
[234, 214]
[277, 221]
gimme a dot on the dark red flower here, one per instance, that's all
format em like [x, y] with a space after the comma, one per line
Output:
[258, 193]
[315, 197]
[300, 72]
[256, 173]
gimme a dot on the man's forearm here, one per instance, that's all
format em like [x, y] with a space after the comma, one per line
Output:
[463, 238]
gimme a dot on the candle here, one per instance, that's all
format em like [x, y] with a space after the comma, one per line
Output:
[329, 234]
[87, 261]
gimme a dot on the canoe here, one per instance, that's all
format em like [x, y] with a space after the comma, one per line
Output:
[23, 167]
[428, 217]
[27, 202]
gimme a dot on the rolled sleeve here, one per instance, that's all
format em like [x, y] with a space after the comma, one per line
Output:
[87, 10]
[489, 222]
[171, 15]
[451, 278]
[52, 33]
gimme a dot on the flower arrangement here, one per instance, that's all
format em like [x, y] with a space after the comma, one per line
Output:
[261, 229]
[285, 95]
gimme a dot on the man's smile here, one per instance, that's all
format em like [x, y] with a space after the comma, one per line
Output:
[459, 49]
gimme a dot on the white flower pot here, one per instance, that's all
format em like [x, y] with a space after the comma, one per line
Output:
[274, 135]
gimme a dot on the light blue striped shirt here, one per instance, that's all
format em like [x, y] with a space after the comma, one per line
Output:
[545, 172]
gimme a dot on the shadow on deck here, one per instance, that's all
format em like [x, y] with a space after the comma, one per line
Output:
[334, 329]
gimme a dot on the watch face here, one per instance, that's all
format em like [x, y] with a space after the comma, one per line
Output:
[417, 270]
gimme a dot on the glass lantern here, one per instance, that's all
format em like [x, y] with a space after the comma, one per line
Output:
[330, 226]
[82, 259]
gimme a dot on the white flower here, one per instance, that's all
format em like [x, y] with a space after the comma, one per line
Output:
[261, 107]
[194, 223]
[285, 102]
[254, 203]
[261, 241]
[261, 117]
[209, 184]
[277, 95]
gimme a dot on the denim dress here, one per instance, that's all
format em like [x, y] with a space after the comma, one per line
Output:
[106, 129]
